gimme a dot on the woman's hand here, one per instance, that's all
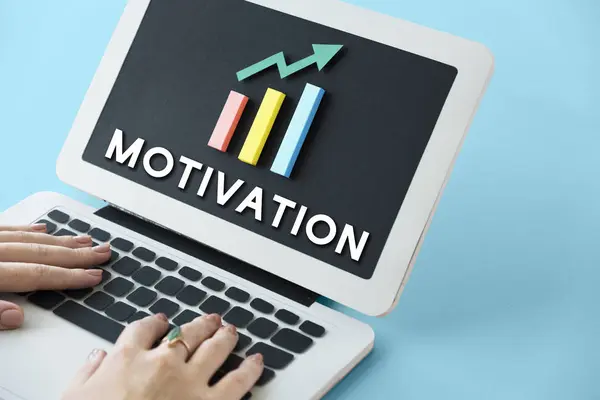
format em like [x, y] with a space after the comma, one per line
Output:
[136, 371]
[32, 260]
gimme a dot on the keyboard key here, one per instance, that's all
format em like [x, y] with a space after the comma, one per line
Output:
[237, 294]
[213, 284]
[144, 254]
[146, 276]
[59, 216]
[65, 232]
[118, 287]
[232, 363]
[114, 256]
[137, 316]
[216, 378]
[292, 340]
[105, 277]
[262, 306]
[78, 294]
[166, 307]
[90, 320]
[214, 305]
[79, 225]
[274, 358]
[243, 342]
[50, 227]
[122, 244]
[220, 375]
[170, 286]
[142, 297]
[287, 317]
[239, 317]
[266, 377]
[120, 311]
[312, 329]
[191, 296]
[100, 235]
[262, 327]
[126, 266]
[46, 299]
[190, 274]
[166, 264]
[99, 301]
[185, 317]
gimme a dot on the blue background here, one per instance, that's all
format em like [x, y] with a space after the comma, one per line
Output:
[503, 302]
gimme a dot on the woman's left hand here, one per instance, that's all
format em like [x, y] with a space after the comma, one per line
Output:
[32, 260]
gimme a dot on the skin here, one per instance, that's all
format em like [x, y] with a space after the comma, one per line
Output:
[32, 260]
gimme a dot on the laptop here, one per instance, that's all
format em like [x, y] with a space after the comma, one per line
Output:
[255, 156]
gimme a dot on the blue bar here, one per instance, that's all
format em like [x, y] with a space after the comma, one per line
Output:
[297, 131]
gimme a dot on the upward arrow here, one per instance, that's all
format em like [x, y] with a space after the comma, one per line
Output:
[322, 55]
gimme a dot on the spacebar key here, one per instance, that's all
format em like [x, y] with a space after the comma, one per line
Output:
[90, 320]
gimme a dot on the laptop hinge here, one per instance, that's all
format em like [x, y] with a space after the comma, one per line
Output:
[208, 254]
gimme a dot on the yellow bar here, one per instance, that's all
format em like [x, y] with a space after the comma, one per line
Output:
[261, 127]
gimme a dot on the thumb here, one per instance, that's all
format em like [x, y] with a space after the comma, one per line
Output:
[92, 363]
[11, 316]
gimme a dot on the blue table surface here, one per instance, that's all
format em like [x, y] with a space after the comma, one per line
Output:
[503, 302]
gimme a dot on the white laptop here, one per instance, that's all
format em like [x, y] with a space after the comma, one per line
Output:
[255, 155]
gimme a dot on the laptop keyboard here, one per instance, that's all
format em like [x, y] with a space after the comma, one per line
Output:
[138, 281]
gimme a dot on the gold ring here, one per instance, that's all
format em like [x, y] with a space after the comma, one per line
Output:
[175, 337]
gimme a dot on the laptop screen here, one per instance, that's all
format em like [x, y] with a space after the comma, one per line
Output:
[301, 133]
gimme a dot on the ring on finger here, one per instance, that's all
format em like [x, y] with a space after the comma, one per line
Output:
[175, 337]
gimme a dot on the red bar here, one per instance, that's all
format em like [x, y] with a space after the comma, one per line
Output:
[228, 121]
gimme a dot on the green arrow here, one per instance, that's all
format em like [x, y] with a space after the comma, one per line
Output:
[323, 54]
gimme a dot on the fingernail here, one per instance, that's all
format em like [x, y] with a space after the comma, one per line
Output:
[103, 248]
[162, 316]
[11, 319]
[95, 355]
[94, 272]
[231, 329]
[39, 227]
[256, 358]
[84, 239]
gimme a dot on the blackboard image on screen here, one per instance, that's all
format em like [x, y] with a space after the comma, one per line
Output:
[326, 179]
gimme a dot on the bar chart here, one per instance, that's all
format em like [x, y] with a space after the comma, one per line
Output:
[262, 125]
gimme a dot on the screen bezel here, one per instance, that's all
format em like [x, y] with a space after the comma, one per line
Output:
[375, 296]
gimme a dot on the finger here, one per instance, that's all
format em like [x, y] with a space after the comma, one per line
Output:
[11, 316]
[194, 333]
[213, 352]
[72, 242]
[142, 334]
[20, 277]
[25, 228]
[91, 365]
[239, 381]
[54, 255]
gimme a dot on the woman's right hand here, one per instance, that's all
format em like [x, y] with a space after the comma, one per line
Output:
[134, 370]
